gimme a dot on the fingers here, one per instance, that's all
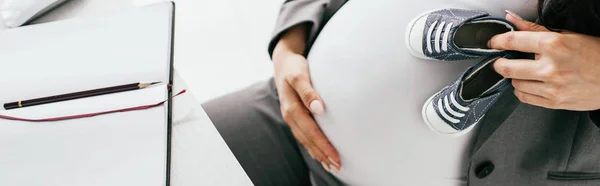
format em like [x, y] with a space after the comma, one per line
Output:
[309, 97]
[524, 41]
[535, 100]
[312, 131]
[312, 150]
[305, 142]
[311, 137]
[305, 129]
[523, 24]
[535, 88]
[298, 100]
[522, 69]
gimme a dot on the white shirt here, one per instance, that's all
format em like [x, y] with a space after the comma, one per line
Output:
[373, 91]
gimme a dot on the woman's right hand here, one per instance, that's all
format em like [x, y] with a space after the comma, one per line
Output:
[298, 98]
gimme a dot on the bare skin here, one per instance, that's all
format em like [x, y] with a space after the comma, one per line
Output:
[299, 100]
[565, 73]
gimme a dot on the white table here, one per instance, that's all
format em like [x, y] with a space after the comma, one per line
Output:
[212, 31]
[199, 156]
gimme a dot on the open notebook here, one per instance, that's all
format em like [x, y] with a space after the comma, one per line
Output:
[120, 149]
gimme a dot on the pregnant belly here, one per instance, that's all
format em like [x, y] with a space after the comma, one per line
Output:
[373, 91]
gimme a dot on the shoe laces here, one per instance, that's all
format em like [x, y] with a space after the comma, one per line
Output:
[441, 37]
[454, 116]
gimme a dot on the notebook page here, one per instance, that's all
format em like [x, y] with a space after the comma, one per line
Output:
[86, 53]
[127, 148]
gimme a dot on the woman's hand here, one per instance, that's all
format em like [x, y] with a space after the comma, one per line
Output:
[565, 73]
[299, 99]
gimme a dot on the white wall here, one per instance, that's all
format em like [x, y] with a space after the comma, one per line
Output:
[221, 45]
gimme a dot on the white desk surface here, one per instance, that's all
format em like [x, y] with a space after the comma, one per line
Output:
[199, 156]
[207, 33]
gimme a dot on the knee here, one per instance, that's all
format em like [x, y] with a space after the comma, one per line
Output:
[254, 105]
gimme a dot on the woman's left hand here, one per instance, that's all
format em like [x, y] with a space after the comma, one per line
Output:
[565, 73]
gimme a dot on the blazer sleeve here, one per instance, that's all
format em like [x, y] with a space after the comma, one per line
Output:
[314, 12]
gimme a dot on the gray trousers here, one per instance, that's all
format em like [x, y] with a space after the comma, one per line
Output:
[250, 121]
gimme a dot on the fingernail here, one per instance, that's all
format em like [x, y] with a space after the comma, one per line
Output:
[311, 155]
[316, 107]
[513, 14]
[335, 169]
[333, 162]
[325, 166]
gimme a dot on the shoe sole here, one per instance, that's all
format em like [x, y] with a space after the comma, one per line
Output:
[409, 28]
[433, 128]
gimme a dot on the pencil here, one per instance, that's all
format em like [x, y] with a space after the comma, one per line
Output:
[76, 95]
